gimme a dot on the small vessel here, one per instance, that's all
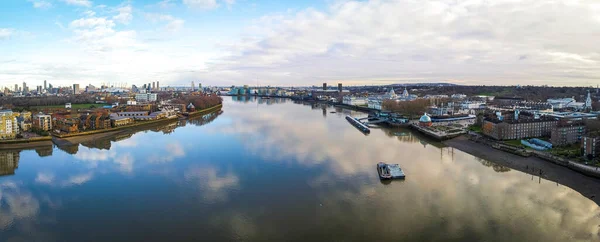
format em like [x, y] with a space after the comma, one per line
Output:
[360, 126]
[384, 171]
[265, 97]
[395, 171]
[333, 112]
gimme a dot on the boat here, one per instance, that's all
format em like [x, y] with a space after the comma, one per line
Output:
[384, 171]
[360, 126]
[333, 112]
[396, 172]
[265, 97]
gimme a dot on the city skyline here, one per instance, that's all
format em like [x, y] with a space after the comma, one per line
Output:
[232, 42]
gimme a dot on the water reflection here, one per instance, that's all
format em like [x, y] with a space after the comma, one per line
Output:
[9, 162]
[213, 185]
[273, 169]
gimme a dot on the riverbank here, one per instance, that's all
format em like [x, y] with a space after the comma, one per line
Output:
[205, 110]
[27, 144]
[90, 135]
[137, 124]
[586, 185]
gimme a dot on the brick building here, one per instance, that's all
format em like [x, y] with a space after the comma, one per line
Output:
[509, 126]
[567, 132]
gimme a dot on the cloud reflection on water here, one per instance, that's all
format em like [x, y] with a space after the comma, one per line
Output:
[213, 185]
[447, 188]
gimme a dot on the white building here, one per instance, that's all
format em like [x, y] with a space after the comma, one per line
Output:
[375, 103]
[355, 101]
[131, 102]
[459, 96]
[471, 105]
[561, 102]
[146, 97]
[435, 96]
[68, 105]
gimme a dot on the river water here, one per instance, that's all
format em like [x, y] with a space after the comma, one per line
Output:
[280, 171]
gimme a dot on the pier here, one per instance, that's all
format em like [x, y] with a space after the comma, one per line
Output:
[438, 134]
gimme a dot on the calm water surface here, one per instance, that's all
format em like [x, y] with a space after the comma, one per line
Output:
[276, 170]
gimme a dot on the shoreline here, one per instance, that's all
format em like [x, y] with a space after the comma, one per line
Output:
[55, 139]
[586, 185]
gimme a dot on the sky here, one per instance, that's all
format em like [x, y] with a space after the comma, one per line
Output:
[299, 43]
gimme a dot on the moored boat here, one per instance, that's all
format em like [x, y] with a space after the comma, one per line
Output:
[384, 171]
[395, 171]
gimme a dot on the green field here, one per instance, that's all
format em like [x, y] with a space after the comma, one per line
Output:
[514, 142]
[73, 106]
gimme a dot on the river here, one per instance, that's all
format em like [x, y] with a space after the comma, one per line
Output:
[281, 171]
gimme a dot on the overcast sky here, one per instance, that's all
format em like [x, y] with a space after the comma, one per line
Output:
[274, 42]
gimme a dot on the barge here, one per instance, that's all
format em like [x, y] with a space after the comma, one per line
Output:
[360, 126]
[390, 171]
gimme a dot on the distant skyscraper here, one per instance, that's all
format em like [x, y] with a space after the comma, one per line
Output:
[339, 87]
[25, 87]
[324, 86]
[16, 88]
[45, 85]
[153, 85]
[193, 86]
[157, 86]
[39, 89]
[75, 88]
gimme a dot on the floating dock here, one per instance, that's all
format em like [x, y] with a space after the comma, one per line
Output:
[396, 171]
[360, 126]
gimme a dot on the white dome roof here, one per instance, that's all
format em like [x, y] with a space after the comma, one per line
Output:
[425, 119]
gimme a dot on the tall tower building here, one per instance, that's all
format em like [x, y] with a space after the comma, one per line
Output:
[45, 85]
[153, 86]
[16, 88]
[588, 101]
[157, 86]
[339, 87]
[25, 90]
[193, 86]
[324, 86]
[75, 88]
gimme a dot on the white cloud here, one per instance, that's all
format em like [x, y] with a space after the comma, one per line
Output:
[366, 41]
[40, 3]
[165, 4]
[92, 22]
[229, 2]
[5, 33]
[97, 34]
[89, 13]
[358, 42]
[124, 15]
[201, 4]
[83, 3]
[172, 24]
